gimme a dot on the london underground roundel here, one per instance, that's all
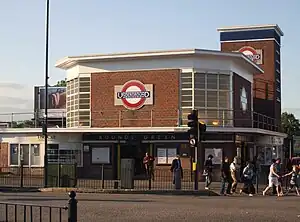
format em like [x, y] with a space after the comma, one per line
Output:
[133, 94]
[251, 53]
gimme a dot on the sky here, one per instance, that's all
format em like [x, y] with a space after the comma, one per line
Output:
[109, 26]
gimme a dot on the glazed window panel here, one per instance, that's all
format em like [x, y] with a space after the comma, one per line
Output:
[224, 99]
[200, 79]
[212, 81]
[224, 82]
[14, 154]
[35, 156]
[24, 153]
[200, 100]
[212, 99]
[186, 80]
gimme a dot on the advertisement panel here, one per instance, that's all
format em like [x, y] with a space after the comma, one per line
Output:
[56, 102]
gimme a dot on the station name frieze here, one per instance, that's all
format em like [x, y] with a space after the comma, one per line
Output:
[134, 137]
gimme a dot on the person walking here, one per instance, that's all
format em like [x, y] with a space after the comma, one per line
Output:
[248, 174]
[149, 166]
[225, 177]
[208, 166]
[176, 169]
[273, 180]
[293, 180]
[234, 167]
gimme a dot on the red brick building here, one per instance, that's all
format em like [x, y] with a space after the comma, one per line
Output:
[120, 106]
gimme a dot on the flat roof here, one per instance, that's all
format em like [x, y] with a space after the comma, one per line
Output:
[70, 61]
[139, 130]
[251, 27]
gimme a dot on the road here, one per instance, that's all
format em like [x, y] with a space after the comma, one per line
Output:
[122, 207]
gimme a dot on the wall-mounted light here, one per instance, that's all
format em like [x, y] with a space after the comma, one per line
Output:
[215, 123]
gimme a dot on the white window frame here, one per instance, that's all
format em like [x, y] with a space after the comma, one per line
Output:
[168, 158]
[19, 155]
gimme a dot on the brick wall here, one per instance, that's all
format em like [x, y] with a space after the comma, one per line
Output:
[3, 155]
[261, 80]
[163, 112]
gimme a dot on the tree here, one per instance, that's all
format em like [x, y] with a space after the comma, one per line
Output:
[290, 124]
[23, 124]
[62, 83]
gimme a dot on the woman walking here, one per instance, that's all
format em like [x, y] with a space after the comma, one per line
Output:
[293, 180]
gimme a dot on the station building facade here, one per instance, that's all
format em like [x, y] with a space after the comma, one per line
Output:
[124, 105]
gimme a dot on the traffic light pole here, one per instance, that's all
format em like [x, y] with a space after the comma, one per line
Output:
[196, 161]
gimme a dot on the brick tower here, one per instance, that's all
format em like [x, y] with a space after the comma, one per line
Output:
[262, 44]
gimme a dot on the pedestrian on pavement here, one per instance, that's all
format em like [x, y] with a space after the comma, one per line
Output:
[176, 168]
[248, 174]
[149, 166]
[273, 180]
[234, 168]
[293, 180]
[225, 177]
[208, 166]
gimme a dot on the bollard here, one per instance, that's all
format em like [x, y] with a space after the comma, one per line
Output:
[72, 207]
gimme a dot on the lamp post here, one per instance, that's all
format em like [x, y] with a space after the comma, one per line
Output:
[45, 125]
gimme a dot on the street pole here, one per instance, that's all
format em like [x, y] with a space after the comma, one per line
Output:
[45, 126]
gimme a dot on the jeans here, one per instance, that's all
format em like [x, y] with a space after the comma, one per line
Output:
[208, 180]
[223, 185]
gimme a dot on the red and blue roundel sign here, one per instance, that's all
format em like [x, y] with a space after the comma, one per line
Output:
[251, 53]
[133, 94]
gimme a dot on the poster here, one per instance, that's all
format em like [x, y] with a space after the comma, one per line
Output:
[161, 156]
[56, 101]
[171, 154]
[101, 155]
[216, 153]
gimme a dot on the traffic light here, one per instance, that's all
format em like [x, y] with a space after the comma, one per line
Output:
[193, 124]
[202, 130]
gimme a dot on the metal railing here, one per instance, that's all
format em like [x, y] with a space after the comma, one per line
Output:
[149, 118]
[33, 212]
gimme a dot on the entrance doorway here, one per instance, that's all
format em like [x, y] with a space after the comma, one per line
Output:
[137, 152]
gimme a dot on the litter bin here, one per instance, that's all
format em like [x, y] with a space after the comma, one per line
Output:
[127, 173]
[65, 181]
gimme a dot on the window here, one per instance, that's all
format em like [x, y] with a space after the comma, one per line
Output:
[101, 155]
[166, 155]
[63, 155]
[186, 98]
[186, 81]
[28, 153]
[212, 99]
[200, 81]
[14, 154]
[212, 81]
[200, 98]
[35, 156]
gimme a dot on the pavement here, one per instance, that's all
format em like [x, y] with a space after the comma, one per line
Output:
[141, 207]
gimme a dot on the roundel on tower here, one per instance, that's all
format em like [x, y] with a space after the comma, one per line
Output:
[134, 94]
[254, 54]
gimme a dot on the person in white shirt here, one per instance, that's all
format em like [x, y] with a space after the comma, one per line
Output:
[273, 180]
[234, 167]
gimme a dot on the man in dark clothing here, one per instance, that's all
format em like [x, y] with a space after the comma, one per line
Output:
[208, 166]
[149, 166]
[225, 177]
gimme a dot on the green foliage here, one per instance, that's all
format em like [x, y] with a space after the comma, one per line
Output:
[290, 124]
[23, 124]
[61, 83]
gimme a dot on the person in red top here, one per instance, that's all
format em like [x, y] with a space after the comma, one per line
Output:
[149, 166]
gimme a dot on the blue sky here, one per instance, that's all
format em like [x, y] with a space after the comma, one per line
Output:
[97, 26]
